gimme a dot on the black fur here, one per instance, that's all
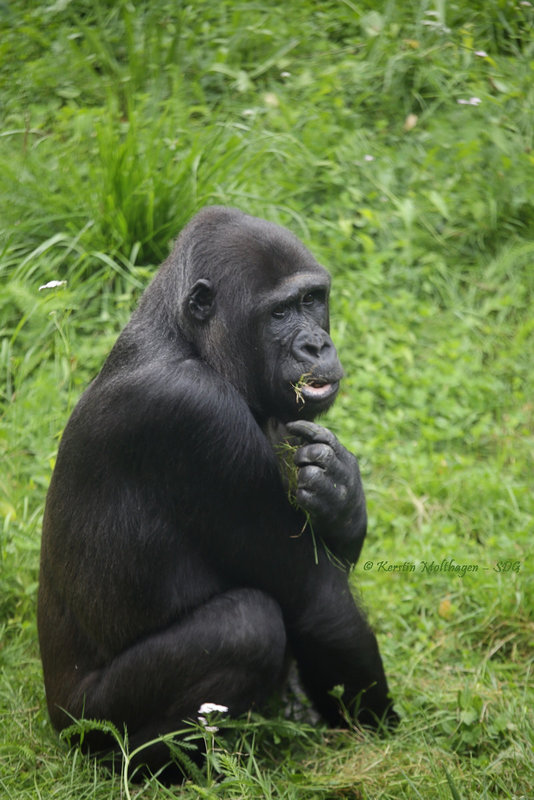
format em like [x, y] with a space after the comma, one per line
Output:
[174, 568]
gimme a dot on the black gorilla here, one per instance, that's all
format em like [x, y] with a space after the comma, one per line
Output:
[176, 568]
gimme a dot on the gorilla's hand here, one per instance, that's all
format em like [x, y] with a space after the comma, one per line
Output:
[329, 487]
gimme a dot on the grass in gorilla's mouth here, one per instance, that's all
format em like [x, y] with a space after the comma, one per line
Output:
[298, 386]
[310, 387]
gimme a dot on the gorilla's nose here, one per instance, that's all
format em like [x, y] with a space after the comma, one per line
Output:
[313, 344]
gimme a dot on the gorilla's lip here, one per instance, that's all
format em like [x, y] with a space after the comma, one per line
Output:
[318, 389]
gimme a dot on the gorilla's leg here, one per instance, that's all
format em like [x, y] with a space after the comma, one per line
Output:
[230, 651]
[335, 646]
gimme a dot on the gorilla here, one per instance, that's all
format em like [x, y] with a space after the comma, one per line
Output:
[181, 561]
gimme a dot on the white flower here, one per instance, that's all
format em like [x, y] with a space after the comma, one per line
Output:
[368, 157]
[473, 101]
[52, 285]
[209, 708]
[210, 728]
[271, 100]
[481, 53]
[410, 122]
[285, 74]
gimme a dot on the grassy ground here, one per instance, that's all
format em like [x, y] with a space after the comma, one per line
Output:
[396, 139]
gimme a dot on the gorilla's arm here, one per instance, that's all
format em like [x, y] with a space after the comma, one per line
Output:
[330, 489]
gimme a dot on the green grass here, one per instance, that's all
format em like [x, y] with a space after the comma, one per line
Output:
[342, 121]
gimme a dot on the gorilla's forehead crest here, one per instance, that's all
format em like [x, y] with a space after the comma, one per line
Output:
[234, 243]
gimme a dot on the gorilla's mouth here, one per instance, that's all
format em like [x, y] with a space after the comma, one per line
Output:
[318, 389]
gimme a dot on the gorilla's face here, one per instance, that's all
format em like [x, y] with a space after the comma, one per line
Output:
[259, 314]
[301, 367]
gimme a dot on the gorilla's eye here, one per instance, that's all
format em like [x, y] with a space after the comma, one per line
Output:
[311, 298]
[279, 312]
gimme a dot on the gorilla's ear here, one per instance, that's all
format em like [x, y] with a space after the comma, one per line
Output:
[201, 300]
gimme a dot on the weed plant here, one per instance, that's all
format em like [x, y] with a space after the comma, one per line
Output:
[396, 139]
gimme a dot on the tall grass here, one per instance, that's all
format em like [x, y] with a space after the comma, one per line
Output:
[397, 140]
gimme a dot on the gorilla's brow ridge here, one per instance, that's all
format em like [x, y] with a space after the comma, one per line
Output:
[290, 289]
